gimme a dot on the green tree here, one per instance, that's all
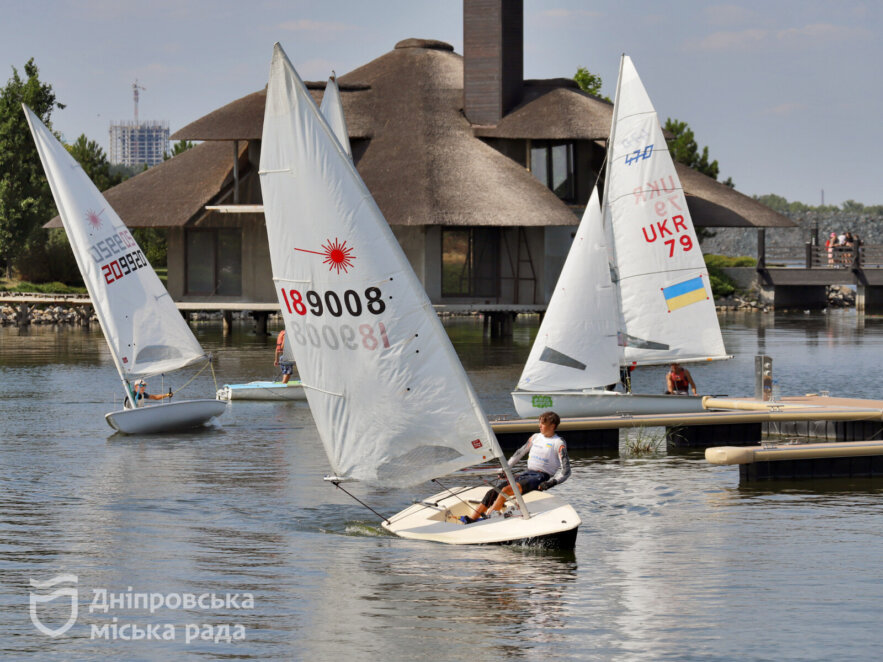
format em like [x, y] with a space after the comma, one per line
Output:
[683, 149]
[25, 199]
[589, 82]
[178, 148]
[90, 156]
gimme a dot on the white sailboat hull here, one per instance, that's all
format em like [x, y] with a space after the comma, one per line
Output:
[552, 524]
[570, 404]
[276, 391]
[167, 417]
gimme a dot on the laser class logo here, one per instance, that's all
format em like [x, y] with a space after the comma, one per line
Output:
[94, 218]
[40, 599]
[337, 255]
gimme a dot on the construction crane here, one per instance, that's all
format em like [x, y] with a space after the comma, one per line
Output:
[135, 88]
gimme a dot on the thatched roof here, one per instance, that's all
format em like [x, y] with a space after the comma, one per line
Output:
[420, 157]
[243, 119]
[174, 192]
[424, 166]
[554, 109]
[713, 204]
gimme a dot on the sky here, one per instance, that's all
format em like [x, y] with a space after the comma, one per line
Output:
[787, 94]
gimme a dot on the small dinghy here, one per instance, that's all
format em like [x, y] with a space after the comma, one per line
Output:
[390, 399]
[634, 289]
[142, 326]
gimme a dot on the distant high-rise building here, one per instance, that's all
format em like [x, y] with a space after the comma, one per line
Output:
[137, 143]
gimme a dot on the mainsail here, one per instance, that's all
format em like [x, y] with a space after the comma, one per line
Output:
[665, 295]
[332, 110]
[143, 328]
[576, 346]
[387, 392]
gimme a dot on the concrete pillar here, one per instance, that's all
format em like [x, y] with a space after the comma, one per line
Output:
[260, 322]
[870, 298]
[228, 322]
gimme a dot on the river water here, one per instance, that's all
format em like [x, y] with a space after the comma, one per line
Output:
[226, 543]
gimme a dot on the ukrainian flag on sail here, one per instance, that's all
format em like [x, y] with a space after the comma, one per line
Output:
[684, 293]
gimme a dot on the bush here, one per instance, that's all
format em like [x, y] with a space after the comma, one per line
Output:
[722, 261]
[48, 257]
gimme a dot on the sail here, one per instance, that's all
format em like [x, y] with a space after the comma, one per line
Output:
[576, 346]
[332, 109]
[665, 295]
[389, 397]
[141, 323]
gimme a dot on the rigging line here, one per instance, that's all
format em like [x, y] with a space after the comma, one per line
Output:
[451, 492]
[197, 375]
[656, 273]
[666, 191]
[352, 496]
[214, 376]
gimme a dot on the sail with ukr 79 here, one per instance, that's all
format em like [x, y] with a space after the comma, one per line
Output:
[634, 289]
[390, 399]
[143, 328]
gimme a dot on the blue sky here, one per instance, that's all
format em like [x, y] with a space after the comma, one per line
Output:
[787, 94]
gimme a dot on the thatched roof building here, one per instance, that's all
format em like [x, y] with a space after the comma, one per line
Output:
[456, 150]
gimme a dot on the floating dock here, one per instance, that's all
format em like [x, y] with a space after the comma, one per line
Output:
[730, 421]
[795, 461]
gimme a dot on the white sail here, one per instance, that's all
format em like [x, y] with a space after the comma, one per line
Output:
[389, 397]
[332, 109]
[143, 328]
[665, 295]
[576, 346]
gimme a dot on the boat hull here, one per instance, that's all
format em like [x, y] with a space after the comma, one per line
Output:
[167, 417]
[570, 404]
[553, 523]
[274, 391]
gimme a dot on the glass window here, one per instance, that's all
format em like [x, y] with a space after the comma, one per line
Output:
[230, 262]
[470, 262]
[553, 164]
[214, 262]
[200, 262]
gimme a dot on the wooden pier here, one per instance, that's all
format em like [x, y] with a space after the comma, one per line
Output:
[743, 423]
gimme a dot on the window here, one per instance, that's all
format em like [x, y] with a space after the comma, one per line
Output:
[470, 262]
[214, 262]
[553, 164]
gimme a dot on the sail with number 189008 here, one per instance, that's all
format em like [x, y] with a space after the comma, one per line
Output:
[391, 402]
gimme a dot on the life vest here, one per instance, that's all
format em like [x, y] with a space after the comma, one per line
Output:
[544, 454]
[679, 381]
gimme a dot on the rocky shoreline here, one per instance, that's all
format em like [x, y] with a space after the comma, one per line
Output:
[82, 314]
[839, 296]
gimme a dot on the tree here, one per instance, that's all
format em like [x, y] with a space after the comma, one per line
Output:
[178, 148]
[683, 149]
[589, 82]
[25, 199]
[90, 156]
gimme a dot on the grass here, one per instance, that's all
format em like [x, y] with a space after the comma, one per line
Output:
[642, 441]
[12, 285]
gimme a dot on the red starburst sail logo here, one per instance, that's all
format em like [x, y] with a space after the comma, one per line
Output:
[336, 253]
[94, 218]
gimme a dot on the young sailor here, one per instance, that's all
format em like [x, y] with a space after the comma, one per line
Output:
[547, 466]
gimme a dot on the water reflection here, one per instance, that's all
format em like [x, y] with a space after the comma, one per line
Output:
[674, 558]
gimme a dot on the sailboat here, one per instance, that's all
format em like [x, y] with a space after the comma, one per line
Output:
[144, 330]
[390, 400]
[634, 289]
[332, 110]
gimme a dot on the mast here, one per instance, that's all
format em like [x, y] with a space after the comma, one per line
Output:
[607, 213]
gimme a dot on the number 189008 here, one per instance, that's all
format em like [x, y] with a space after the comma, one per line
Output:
[368, 336]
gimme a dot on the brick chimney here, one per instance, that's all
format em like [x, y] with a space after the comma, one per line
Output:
[493, 58]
